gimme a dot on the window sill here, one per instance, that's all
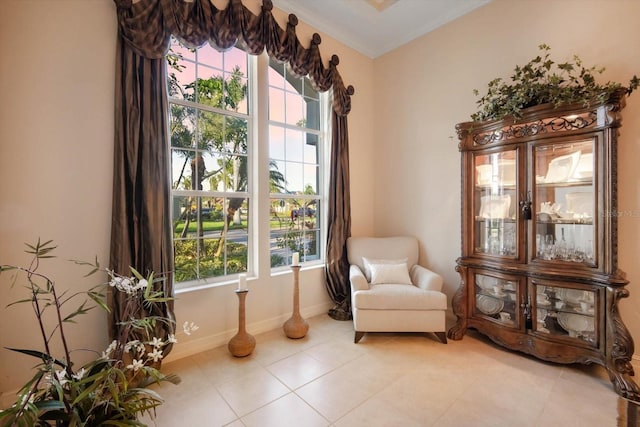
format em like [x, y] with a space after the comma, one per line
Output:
[280, 271]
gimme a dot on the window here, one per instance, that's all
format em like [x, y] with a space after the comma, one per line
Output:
[210, 150]
[295, 159]
[213, 151]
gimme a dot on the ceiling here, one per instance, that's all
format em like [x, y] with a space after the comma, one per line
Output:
[375, 27]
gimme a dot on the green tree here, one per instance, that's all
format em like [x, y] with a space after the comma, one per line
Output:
[196, 134]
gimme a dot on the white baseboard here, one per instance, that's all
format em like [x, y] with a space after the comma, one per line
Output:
[182, 350]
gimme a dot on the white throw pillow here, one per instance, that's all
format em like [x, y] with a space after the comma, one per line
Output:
[396, 274]
[368, 261]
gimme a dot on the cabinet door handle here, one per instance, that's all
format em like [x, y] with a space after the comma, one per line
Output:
[525, 207]
[526, 309]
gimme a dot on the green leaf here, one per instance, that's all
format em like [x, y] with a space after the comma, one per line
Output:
[98, 298]
[41, 249]
[20, 302]
[49, 405]
[633, 84]
[40, 355]
[136, 274]
[79, 311]
[538, 82]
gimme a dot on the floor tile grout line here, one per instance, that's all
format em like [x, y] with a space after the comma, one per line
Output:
[562, 378]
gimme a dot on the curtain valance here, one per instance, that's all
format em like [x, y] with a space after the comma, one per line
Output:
[147, 25]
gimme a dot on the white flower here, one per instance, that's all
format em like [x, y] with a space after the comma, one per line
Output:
[46, 379]
[171, 339]
[126, 284]
[118, 283]
[157, 342]
[27, 397]
[107, 353]
[135, 365]
[134, 346]
[78, 375]
[189, 327]
[61, 376]
[155, 355]
[141, 349]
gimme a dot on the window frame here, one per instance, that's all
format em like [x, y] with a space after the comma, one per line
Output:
[258, 196]
[321, 160]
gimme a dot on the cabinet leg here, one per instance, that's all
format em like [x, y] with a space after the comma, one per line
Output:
[457, 331]
[619, 352]
[459, 306]
[623, 384]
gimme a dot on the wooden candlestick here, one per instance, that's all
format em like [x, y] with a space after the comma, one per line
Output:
[296, 327]
[242, 344]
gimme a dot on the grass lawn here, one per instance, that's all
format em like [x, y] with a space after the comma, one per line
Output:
[216, 226]
[209, 226]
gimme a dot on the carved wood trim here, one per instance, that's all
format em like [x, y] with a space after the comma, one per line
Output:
[459, 306]
[620, 348]
[613, 345]
[542, 120]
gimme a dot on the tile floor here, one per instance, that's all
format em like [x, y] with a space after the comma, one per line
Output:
[324, 379]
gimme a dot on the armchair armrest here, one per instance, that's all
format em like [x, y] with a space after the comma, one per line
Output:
[426, 279]
[357, 279]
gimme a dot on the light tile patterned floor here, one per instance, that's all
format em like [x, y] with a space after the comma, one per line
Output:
[324, 379]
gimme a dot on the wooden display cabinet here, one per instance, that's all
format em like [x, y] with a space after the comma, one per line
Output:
[538, 267]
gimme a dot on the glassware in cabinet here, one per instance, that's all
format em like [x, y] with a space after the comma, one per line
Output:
[495, 202]
[564, 202]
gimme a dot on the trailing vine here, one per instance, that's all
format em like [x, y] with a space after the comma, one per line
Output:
[543, 81]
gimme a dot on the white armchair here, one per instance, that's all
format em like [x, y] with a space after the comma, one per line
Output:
[390, 292]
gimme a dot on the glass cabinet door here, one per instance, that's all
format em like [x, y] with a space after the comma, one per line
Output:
[497, 298]
[565, 202]
[495, 204]
[565, 312]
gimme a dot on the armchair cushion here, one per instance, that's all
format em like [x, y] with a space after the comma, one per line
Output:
[366, 262]
[382, 248]
[390, 274]
[394, 297]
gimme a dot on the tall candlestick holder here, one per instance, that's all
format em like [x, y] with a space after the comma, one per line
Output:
[242, 344]
[296, 327]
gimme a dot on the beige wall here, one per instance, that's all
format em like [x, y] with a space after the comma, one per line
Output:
[57, 64]
[425, 87]
[56, 142]
[57, 72]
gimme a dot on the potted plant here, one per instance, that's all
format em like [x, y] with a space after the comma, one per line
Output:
[543, 81]
[114, 388]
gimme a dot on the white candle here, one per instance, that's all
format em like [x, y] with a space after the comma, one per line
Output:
[295, 259]
[242, 282]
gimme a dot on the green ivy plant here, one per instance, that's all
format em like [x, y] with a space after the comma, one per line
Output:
[543, 81]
